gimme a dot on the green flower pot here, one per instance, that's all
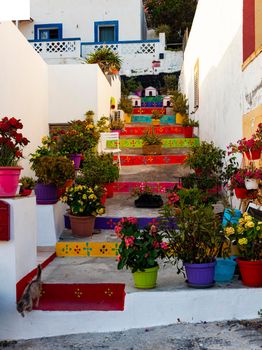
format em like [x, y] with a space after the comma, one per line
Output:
[146, 279]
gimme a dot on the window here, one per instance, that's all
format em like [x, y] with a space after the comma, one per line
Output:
[106, 31]
[48, 31]
[196, 85]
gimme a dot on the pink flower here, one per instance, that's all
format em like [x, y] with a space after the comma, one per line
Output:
[156, 244]
[118, 258]
[132, 220]
[164, 245]
[129, 241]
[118, 229]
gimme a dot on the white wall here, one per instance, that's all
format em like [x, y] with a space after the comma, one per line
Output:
[78, 17]
[23, 88]
[75, 89]
[216, 40]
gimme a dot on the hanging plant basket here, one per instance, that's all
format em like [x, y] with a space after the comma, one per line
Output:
[253, 155]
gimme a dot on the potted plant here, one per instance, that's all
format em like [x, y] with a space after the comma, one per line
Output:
[195, 236]
[250, 147]
[99, 169]
[139, 250]
[108, 60]
[156, 116]
[151, 143]
[117, 125]
[146, 197]
[180, 106]
[125, 104]
[247, 235]
[84, 204]
[52, 172]
[206, 159]
[27, 184]
[11, 145]
[237, 183]
[252, 176]
[189, 125]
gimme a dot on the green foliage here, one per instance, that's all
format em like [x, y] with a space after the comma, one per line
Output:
[206, 157]
[53, 169]
[130, 85]
[156, 115]
[138, 249]
[125, 104]
[165, 28]
[117, 125]
[199, 236]
[27, 182]
[180, 103]
[98, 169]
[106, 59]
[190, 122]
[150, 138]
[103, 124]
[202, 182]
[84, 200]
[170, 82]
[178, 14]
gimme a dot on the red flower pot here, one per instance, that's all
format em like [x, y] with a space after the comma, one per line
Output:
[188, 131]
[110, 190]
[9, 179]
[251, 272]
[253, 155]
[242, 193]
[25, 192]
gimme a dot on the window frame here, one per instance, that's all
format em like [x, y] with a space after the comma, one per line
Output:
[99, 24]
[42, 27]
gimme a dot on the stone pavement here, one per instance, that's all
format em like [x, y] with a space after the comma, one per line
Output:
[205, 336]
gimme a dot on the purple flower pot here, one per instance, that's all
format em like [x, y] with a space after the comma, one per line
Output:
[46, 194]
[200, 275]
[76, 158]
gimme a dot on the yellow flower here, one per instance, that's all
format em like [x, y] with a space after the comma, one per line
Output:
[241, 221]
[242, 241]
[100, 211]
[81, 210]
[248, 218]
[245, 214]
[240, 229]
[44, 139]
[84, 196]
[80, 202]
[258, 228]
[229, 231]
[249, 224]
[92, 196]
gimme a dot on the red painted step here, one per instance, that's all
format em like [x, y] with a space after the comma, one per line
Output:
[159, 130]
[148, 110]
[152, 160]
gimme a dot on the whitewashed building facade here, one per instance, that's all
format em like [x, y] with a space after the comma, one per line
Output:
[222, 69]
[66, 31]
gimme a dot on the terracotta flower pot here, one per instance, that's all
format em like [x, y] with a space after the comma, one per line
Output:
[151, 149]
[82, 226]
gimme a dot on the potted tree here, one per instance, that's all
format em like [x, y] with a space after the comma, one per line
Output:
[151, 143]
[125, 104]
[246, 234]
[108, 60]
[139, 251]
[156, 116]
[180, 106]
[195, 236]
[85, 204]
[117, 125]
[11, 145]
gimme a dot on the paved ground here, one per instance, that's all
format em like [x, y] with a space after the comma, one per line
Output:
[209, 336]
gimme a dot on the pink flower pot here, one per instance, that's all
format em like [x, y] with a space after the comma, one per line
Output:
[9, 179]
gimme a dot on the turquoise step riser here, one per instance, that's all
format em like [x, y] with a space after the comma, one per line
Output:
[166, 119]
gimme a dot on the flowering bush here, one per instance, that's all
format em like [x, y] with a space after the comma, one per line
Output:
[139, 249]
[142, 189]
[84, 200]
[244, 145]
[11, 141]
[247, 235]
[146, 197]
[238, 179]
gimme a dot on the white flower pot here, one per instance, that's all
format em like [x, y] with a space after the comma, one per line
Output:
[251, 184]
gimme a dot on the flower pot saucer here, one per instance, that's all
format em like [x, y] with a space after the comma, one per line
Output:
[200, 286]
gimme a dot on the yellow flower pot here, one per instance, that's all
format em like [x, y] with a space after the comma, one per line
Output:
[180, 118]
[127, 118]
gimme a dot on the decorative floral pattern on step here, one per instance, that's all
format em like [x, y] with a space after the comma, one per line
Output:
[142, 160]
[109, 292]
[78, 293]
[87, 249]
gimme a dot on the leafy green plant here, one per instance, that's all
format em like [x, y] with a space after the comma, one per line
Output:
[117, 125]
[27, 182]
[53, 169]
[206, 157]
[107, 59]
[98, 169]
[139, 249]
[198, 236]
[126, 105]
[84, 200]
[156, 115]
[103, 124]
[150, 138]
[190, 122]
[180, 103]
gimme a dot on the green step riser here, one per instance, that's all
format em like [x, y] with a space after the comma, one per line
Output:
[166, 143]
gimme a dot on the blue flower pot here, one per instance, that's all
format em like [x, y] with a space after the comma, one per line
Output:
[231, 216]
[225, 269]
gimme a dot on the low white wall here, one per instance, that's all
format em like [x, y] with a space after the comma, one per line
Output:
[76, 88]
[216, 40]
[23, 88]
[17, 256]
